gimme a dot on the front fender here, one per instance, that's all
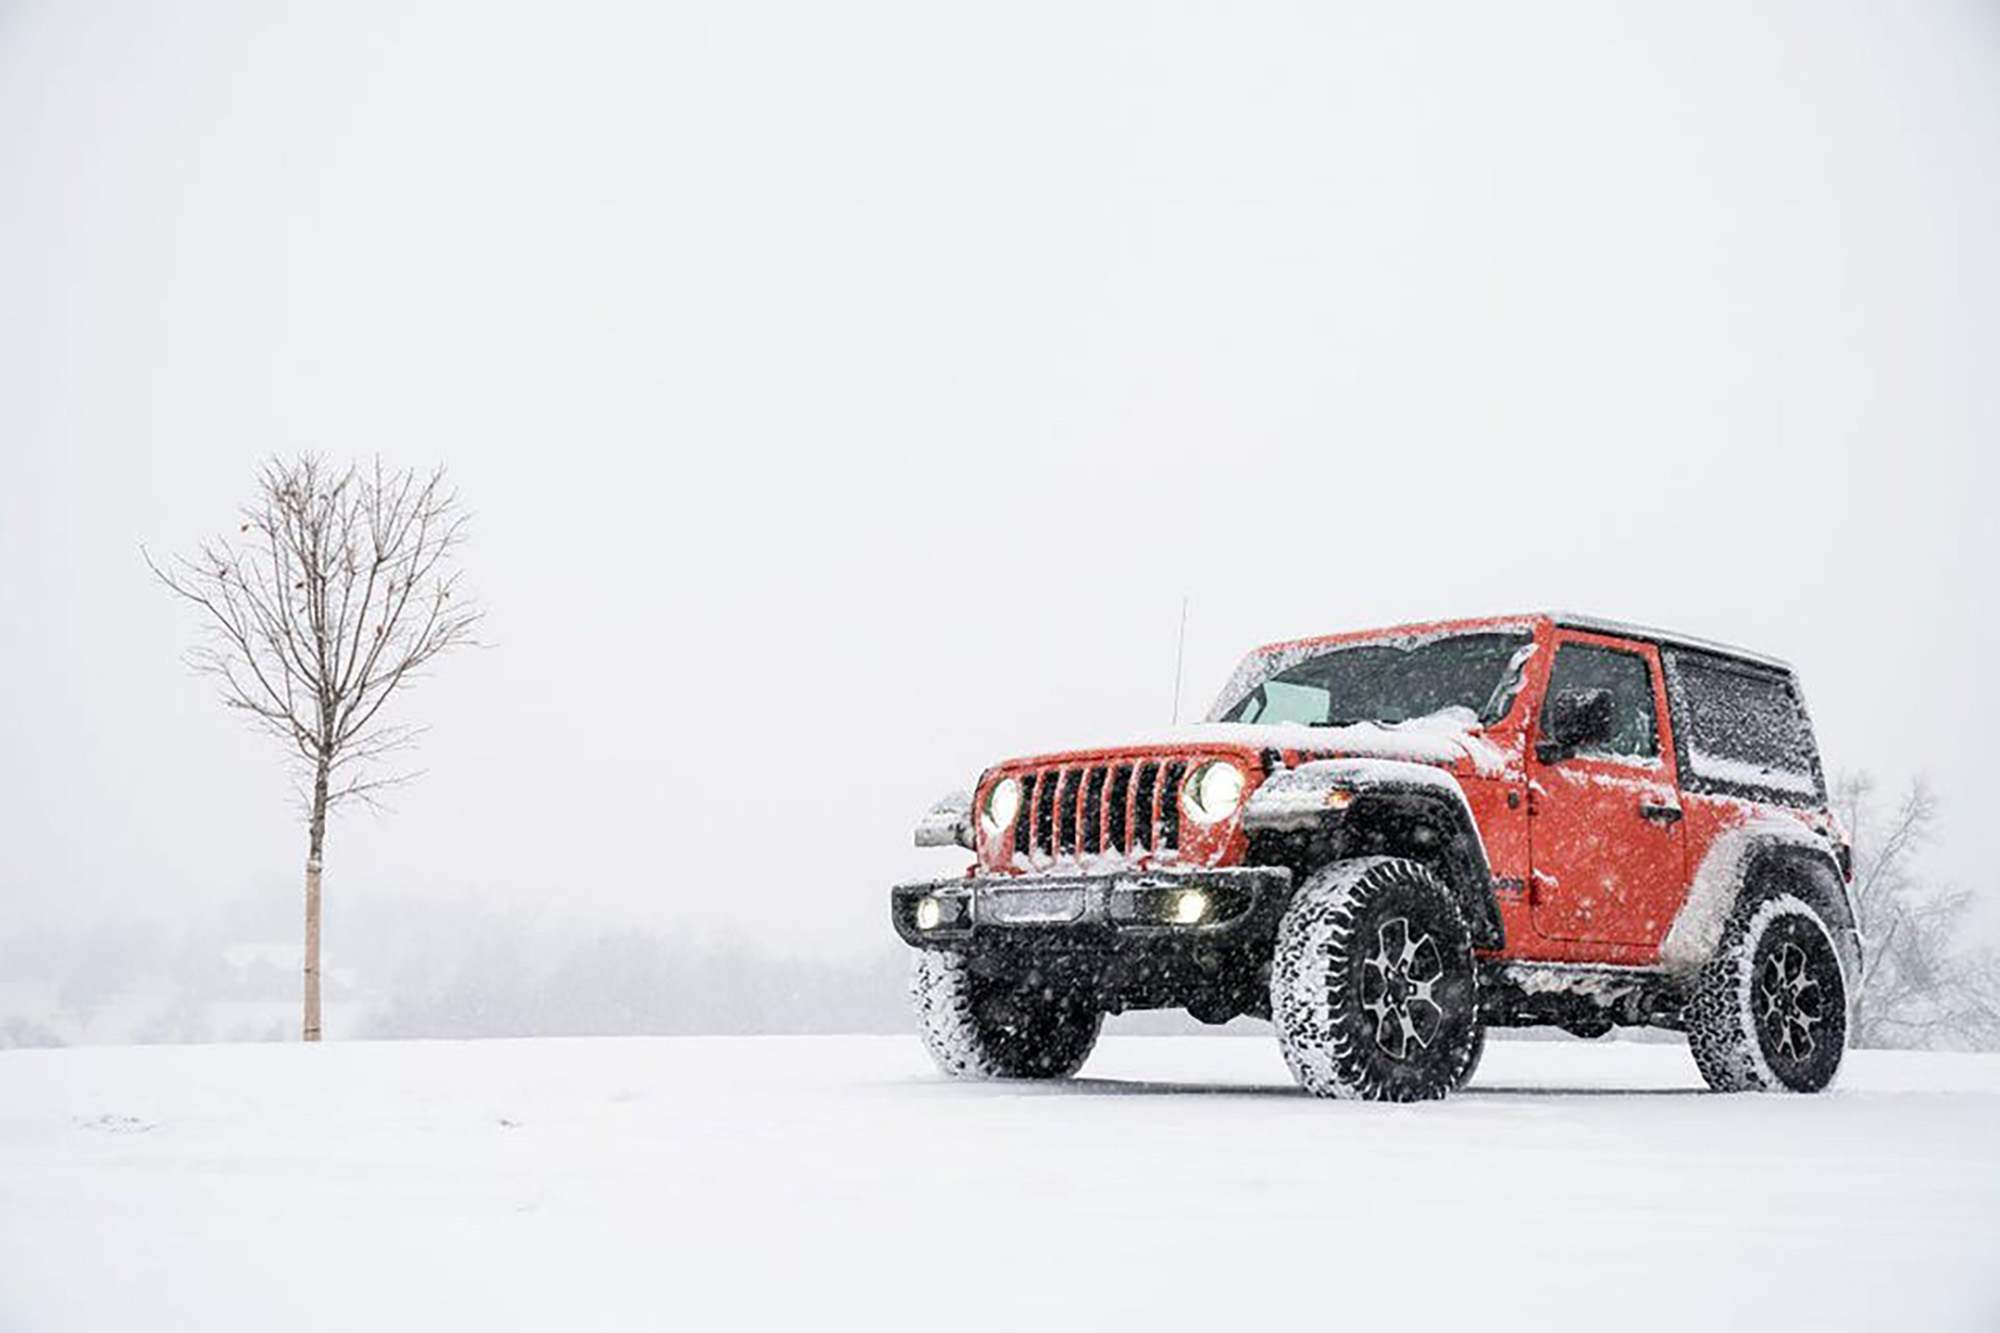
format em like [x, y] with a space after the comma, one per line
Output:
[1393, 806]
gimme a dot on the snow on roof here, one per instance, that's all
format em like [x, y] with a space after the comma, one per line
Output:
[1599, 625]
[1567, 619]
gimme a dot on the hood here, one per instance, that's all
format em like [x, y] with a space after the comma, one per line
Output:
[1450, 739]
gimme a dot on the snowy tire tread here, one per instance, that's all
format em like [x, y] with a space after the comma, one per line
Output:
[1051, 1043]
[1342, 921]
[1729, 1038]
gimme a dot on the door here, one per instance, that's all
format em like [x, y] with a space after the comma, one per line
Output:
[1604, 829]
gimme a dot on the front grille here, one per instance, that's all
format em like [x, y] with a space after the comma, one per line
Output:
[1089, 809]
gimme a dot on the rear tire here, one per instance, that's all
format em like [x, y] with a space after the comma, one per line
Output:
[1374, 991]
[1769, 1009]
[997, 1027]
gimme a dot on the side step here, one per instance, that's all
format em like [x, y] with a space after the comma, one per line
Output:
[1580, 999]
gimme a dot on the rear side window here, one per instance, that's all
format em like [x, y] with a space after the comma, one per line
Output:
[1741, 731]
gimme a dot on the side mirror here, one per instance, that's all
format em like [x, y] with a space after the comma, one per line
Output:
[1576, 719]
[948, 823]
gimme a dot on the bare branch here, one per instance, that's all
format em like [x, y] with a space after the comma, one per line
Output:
[338, 588]
[1922, 983]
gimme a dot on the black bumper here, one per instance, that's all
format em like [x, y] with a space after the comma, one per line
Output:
[1093, 912]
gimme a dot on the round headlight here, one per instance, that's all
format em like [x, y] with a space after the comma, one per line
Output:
[1213, 791]
[1002, 803]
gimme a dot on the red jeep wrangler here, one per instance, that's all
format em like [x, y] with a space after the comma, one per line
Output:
[1386, 842]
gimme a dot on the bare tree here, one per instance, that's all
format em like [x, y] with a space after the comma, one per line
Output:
[1925, 981]
[338, 589]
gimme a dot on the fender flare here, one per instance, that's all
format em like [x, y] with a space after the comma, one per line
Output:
[1766, 852]
[1340, 796]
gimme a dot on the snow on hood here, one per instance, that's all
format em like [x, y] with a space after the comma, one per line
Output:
[1445, 737]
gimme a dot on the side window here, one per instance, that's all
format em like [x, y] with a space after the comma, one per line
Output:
[1743, 728]
[1635, 730]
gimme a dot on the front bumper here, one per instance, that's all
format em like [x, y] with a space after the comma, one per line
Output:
[1092, 911]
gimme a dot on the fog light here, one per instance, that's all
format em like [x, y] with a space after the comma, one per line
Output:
[1190, 906]
[929, 913]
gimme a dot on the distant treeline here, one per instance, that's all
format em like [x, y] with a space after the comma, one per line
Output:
[426, 968]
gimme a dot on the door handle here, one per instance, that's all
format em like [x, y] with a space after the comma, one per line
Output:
[1660, 813]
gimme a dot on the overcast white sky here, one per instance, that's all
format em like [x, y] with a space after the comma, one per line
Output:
[848, 394]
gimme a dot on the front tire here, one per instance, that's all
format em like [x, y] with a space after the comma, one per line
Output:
[997, 1027]
[1374, 991]
[1769, 1009]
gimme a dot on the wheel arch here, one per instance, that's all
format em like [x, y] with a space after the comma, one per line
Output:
[1810, 873]
[1761, 859]
[1348, 808]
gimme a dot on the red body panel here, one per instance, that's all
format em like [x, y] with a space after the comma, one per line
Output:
[1603, 873]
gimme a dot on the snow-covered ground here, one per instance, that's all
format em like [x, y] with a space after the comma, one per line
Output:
[835, 1182]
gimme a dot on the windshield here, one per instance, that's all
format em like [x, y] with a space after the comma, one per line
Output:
[1390, 682]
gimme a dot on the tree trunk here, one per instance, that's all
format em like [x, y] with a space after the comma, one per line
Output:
[312, 901]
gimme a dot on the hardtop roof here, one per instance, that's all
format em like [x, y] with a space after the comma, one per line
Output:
[1599, 625]
[1562, 619]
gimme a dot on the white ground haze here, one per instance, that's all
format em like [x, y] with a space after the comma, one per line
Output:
[849, 395]
[772, 1182]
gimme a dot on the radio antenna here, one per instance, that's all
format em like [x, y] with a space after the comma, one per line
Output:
[1180, 656]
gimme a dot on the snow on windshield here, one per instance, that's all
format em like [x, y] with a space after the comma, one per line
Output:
[1392, 680]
